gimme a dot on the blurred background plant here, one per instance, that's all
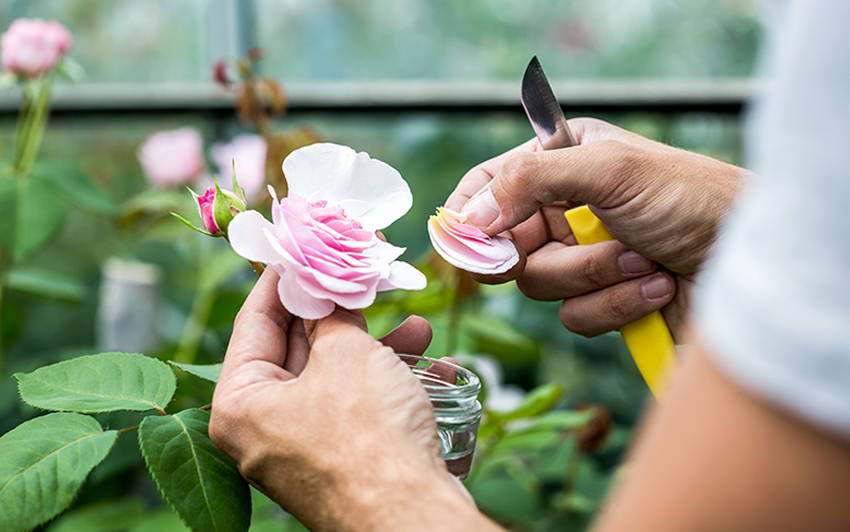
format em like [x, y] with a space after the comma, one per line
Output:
[431, 88]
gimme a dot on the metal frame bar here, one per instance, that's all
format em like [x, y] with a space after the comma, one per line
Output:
[720, 96]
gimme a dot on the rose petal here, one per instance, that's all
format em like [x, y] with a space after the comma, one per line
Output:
[247, 237]
[371, 191]
[404, 276]
[297, 301]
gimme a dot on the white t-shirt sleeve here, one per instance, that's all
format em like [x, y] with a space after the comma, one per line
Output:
[774, 305]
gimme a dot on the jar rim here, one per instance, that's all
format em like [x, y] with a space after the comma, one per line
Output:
[467, 384]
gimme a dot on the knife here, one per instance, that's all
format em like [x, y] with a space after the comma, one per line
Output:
[648, 339]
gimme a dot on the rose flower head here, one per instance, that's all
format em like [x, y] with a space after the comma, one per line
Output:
[173, 157]
[32, 47]
[322, 239]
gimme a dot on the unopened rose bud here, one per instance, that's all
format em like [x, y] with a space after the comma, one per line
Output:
[32, 47]
[217, 207]
[220, 73]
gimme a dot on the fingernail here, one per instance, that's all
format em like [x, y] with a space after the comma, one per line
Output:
[631, 262]
[657, 287]
[482, 209]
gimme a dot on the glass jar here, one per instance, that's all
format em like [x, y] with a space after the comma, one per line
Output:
[453, 391]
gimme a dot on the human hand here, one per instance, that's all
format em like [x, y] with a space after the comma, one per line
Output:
[662, 204]
[330, 423]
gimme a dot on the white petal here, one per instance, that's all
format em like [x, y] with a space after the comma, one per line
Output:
[298, 302]
[404, 276]
[371, 191]
[247, 238]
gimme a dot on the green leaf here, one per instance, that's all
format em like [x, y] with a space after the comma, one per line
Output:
[208, 372]
[108, 516]
[99, 383]
[45, 461]
[539, 400]
[79, 189]
[560, 420]
[200, 482]
[45, 283]
[40, 211]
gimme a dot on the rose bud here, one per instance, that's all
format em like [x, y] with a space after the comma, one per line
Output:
[216, 208]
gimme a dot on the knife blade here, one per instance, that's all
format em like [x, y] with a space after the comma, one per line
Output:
[543, 110]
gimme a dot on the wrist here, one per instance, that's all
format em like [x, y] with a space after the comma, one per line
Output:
[403, 497]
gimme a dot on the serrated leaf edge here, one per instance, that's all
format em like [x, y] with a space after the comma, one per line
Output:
[177, 365]
[156, 481]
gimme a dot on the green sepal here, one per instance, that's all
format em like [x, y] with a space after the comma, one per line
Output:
[235, 184]
[190, 225]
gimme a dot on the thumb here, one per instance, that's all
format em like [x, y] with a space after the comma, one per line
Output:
[340, 337]
[592, 173]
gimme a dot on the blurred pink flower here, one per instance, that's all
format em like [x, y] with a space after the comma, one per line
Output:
[467, 247]
[249, 154]
[31, 46]
[173, 157]
[323, 242]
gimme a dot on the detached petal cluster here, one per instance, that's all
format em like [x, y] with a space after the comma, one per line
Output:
[322, 238]
[468, 247]
[31, 47]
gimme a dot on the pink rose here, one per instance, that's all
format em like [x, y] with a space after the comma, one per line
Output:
[248, 153]
[467, 247]
[31, 47]
[322, 240]
[171, 158]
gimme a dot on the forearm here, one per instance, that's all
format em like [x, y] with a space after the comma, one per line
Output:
[713, 457]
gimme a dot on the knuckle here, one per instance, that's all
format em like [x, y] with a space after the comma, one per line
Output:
[585, 122]
[591, 271]
[521, 167]
[620, 305]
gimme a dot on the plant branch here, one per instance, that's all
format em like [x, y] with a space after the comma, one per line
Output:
[127, 429]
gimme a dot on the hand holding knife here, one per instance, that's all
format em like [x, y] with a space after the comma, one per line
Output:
[648, 339]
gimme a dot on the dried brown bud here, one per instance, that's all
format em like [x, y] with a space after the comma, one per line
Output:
[220, 73]
[593, 434]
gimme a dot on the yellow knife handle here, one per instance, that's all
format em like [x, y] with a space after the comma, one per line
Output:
[648, 339]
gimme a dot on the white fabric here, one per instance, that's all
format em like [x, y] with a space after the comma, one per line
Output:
[774, 305]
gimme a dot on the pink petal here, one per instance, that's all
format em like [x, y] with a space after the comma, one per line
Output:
[463, 247]
[297, 301]
[247, 237]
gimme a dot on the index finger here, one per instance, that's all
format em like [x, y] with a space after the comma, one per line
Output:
[480, 175]
[260, 329]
